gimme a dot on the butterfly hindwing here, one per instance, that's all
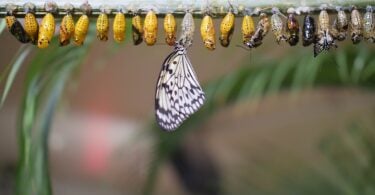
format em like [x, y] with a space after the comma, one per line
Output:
[178, 93]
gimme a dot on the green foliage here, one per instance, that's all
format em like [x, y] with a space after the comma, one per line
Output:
[353, 154]
[2, 25]
[12, 69]
[46, 77]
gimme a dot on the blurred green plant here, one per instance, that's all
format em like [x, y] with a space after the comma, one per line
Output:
[12, 69]
[46, 78]
[47, 74]
[353, 154]
[2, 25]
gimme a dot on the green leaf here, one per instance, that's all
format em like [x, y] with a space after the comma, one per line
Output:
[369, 70]
[279, 75]
[46, 77]
[358, 66]
[342, 63]
[39, 152]
[15, 67]
[2, 25]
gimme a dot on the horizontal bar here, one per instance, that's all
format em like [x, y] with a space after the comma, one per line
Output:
[178, 7]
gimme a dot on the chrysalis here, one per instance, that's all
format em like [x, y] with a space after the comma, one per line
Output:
[340, 25]
[150, 28]
[308, 30]
[102, 26]
[324, 37]
[46, 31]
[82, 25]
[369, 25]
[247, 28]
[170, 29]
[292, 29]
[261, 31]
[356, 26]
[277, 26]
[31, 24]
[119, 27]
[208, 32]
[226, 29]
[137, 29]
[66, 28]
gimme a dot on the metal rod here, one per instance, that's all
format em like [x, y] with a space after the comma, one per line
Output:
[178, 7]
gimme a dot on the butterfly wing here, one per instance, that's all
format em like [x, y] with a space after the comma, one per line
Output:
[178, 93]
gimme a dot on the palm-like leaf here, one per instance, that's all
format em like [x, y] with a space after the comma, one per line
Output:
[46, 78]
[12, 69]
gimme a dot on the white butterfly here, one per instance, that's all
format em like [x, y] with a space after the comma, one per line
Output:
[178, 93]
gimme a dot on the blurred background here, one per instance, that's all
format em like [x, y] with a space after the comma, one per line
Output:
[276, 120]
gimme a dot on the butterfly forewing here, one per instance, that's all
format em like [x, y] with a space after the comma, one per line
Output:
[178, 93]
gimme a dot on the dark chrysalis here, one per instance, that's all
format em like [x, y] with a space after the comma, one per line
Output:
[308, 30]
[292, 29]
[19, 32]
[137, 30]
